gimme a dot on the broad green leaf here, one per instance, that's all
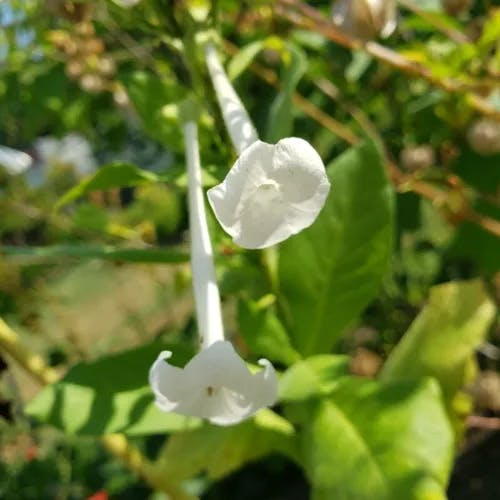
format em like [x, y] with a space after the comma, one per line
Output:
[113, 175]
[332, 270]
[240, 62]
[220, 450]
[384, 441]
[314, 376]
[444, 336]
[108, 252]
[110, 395]
[280, 120]
[264, 334]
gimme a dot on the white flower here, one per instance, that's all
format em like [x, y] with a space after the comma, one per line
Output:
[366, 19]
[216, 385]
[72, 149]
[14, 161]
[271, 193]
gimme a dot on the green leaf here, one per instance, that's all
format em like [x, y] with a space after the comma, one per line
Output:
[156, 102]
[332, 270]
[113, 175]
[384, 441]
[240, 61]
[110, 395]
[220, 450]
[150, 255]
[314, 376]
[280, 120]
[444, 336]
[264, 334]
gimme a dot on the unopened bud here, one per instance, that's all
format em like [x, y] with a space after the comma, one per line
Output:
[93, 46]
[74, 69]
[486, 390]
[92, 83]
[85, 29]
[365, 363]
[366, 19]
[106, 66]
[484, 136]
[454, 7]
[417, 157]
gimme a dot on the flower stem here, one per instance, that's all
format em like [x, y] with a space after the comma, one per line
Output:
[238, 122]
[206, 292]
[32, 363]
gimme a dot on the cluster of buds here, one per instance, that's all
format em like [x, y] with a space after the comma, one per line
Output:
[86, 60]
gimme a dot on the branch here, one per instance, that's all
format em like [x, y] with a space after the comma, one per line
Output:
[309, 18]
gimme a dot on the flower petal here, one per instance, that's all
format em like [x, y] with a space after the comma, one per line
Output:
[167, 382]
[271, 193]
[248, 173]
[216, 384]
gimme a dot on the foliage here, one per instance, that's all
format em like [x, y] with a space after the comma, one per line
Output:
[402, 262]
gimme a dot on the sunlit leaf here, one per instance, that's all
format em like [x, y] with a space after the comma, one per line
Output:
[370, 440]
[110, 395]
[444, 336]
[332, 270]
[220, 450]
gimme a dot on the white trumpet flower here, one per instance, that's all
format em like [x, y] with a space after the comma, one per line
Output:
[271, 193]
[273, 190]
[366, 19]
[216, 384]
[14, 161]
[72, 150]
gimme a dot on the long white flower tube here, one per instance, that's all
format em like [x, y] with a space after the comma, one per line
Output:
[206, 292]
[238, 123]
[216, 384]
[273, 190]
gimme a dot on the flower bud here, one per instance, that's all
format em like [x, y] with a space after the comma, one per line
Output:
[74, 69]
[84, 29]
[92, 83]
[365, 19]
[92, 46]
[106, 66]
[415, 158]
[484, 136]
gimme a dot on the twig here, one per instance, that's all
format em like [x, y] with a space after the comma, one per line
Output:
[480, 422]
[432, 19]
[309, 18]
[116, 444]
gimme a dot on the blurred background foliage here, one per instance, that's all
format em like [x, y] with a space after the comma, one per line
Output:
[396, 282]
